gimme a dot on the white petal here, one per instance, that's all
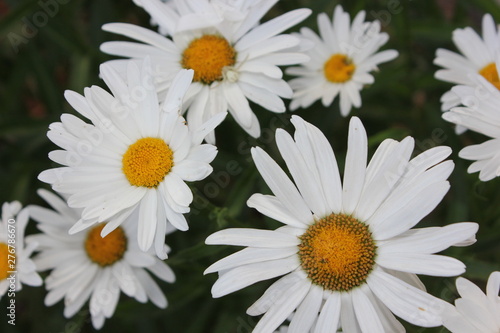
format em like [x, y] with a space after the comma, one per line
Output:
[189, 170]
[252, 237]
[457, 322]
[347, 315]
[160, 248]
[250, 256]
[238, 104]
[430, 240]
[381, 181]
[270, 206]
[253, 17]
[481, 319]
[365, 312]
[310, 139]
[493, 286]
[263, 97]
[355, 165]
[257, 66]
[243, 276]
[176, 219]
[282, 308]
[281, 186]
[272, 28]
[162, 271]
[428, 264]
[147, 220]
[178, 190]
[138, 33]
[208, 127]
[405, 301]
[408, 210]
[153, 291]
[124, 276]
[305, 180]
[307, 312]
[328, 319]
[387, 318]
[177, 91]
[56, 202]
[139, 258]
[278, 288]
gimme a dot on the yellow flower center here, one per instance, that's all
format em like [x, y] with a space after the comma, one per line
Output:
[339, 68]
[5, 264]
[108, 250]
[489, 72]
[147, 162]
[337, 252]
[207, 56]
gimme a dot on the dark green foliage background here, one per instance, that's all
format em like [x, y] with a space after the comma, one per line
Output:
[404, 100]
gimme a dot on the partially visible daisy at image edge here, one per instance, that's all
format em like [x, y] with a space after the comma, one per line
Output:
[16, 266]
[478, 56]
[235, 61]
[348, 254]
[479, 114]
[341, 61]
[475, 311]
[86, 267]
[136, 156]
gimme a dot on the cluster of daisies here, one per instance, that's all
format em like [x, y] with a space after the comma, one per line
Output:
[348, 254]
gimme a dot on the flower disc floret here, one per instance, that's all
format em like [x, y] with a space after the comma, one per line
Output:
[490, 73]
[147, 162]
[4, 261]
[207, 56]
[339, 68]
[105, 251]
[337, 252]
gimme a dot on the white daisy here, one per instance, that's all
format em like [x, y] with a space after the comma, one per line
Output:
[479, 114]
[479, 55]
[350, 245]
[340, 61]
[135, 156]
[16, 267]
[475, 311]
[235, 60]
[86, 266]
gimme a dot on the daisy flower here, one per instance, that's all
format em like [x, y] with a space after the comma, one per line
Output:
[135, 156]
[341, 61]
[479, 56]
[350, 245]
[16, 267]
[475, 311]
[86, 267]
[234, 61]
[479, 114]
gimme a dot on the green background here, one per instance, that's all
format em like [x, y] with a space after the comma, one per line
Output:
[63, 53]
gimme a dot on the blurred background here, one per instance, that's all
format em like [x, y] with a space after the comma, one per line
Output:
[45, 50]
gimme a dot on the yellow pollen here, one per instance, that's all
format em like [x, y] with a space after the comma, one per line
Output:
[6, 263]
[337, 252]
[339, 68]
[147, 162]
[108, 250]
[489, 72]
[207, 56]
